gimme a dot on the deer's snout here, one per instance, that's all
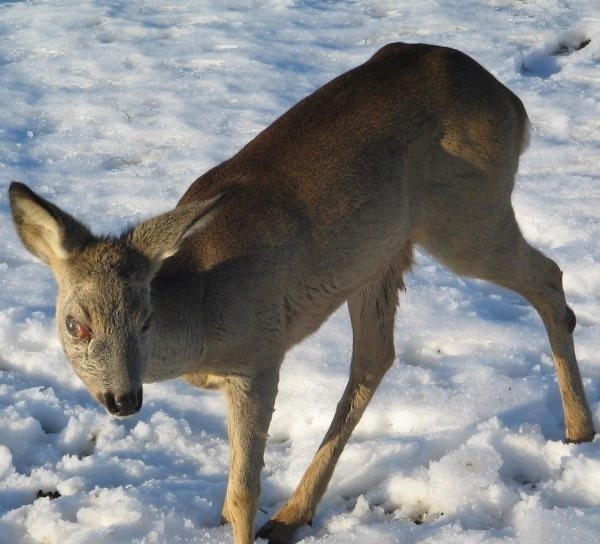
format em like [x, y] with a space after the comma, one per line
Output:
[123, 404]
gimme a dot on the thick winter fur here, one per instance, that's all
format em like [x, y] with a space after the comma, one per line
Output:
[419, 145]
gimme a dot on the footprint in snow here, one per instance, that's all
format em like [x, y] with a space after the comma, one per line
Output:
[549, 60]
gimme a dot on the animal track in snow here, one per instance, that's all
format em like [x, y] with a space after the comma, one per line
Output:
[550, 59]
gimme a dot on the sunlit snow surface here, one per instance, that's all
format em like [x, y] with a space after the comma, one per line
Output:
[111, 109]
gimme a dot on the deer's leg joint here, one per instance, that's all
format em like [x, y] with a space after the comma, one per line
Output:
[571, 320]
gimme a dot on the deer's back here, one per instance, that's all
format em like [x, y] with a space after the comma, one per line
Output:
[348, 173]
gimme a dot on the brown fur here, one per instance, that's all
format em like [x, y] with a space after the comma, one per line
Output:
[419, 145]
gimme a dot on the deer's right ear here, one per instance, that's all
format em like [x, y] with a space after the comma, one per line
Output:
[45, 230]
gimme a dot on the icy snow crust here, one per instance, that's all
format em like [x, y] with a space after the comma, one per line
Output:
[112, 109]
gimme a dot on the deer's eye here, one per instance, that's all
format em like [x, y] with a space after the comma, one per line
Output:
[77, 329]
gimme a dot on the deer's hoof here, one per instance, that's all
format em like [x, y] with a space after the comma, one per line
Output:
[277, 532]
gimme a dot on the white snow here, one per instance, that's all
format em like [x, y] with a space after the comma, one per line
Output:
[112, 109]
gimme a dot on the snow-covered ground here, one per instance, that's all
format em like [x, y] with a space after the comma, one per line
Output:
[112, 108]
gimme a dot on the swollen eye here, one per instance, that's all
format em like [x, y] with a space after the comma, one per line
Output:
[77, 329]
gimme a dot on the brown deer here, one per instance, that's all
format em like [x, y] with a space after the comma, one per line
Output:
[419, 145]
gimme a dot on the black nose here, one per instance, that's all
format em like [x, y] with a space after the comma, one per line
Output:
[123, 404]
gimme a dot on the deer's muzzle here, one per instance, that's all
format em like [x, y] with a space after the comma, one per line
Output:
[123, 404]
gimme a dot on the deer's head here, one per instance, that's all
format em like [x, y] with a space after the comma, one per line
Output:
[103, 308]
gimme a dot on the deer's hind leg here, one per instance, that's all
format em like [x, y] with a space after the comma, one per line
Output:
[539, 280]
[491, 247]
[372, 312]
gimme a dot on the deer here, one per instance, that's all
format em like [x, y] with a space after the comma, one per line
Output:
[418, 146]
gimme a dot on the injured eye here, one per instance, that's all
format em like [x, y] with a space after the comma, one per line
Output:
[77, 329]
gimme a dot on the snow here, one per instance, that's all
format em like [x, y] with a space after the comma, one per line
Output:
[111, 110]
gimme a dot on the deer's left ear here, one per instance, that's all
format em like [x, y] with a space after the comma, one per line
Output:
[160, 237]
[45, 230]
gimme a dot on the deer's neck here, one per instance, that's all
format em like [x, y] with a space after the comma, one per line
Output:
[175, 335]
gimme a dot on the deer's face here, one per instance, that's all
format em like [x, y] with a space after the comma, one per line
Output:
[103, 316]
[103, 307]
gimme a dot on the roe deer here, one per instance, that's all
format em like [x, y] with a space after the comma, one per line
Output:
[419, 145]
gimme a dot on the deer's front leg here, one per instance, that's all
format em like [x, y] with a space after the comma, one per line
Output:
[250, 406]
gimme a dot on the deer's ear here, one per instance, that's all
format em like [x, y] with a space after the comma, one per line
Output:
[160, 237]
[45, 230]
